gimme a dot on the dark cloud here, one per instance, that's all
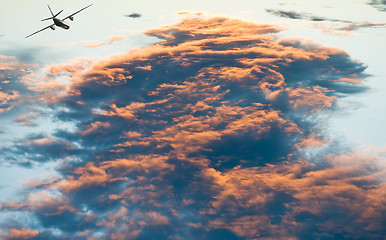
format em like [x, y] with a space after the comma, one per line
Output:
[45, 149]
[350, 26]
[304, 16]
[286, 14]
[133, 15]
[378, 4]
[200, 136]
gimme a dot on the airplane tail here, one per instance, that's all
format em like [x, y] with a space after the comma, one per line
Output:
[53, 16]
[50, 10]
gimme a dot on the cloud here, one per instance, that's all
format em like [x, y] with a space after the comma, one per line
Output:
[25, 119]
[201, 135]
[304, 16]
[191, 13]
[7, 99]
[133, 15]
[42, 149]
[347, 29]
[319, 22]
[12, 71]
[378, 4]
[352, 27]
[20, 234]
[300, 202]
[111, 40]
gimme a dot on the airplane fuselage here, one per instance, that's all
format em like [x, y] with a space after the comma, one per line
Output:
[60, 23]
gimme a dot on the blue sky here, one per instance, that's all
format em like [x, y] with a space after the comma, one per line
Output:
[173, 122]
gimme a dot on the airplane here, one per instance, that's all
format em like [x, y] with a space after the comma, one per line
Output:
[57, 21]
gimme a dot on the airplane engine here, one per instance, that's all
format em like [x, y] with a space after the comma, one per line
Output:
[71, 18]
[52, 27]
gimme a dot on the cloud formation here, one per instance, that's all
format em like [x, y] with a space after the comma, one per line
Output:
[202, 136]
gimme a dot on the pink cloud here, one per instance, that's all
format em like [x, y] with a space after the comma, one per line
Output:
[314, 98]
[22, 233]
[95, 126]
[7, 100]
[111, 40]
[25, 119]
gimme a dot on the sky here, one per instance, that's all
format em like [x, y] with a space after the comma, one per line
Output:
[193, 120]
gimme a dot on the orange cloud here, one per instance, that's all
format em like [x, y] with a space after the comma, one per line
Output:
[111, 40]
[43, 202]
[22, 233]
[313, 140]
[314, 98]
[191, 134]
[110, 171]
[88, 176]
[58, 81]
[316, 193]
[94, 126]
[7, 100]
[128, 112]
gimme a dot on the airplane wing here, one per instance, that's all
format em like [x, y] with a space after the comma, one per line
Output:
[38, 31]
[76, 12]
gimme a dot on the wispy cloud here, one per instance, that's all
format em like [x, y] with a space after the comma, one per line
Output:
[94, 44]
[319, 22]
[352, 27]
[302, 15]
[26, 119]
[190, 13]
